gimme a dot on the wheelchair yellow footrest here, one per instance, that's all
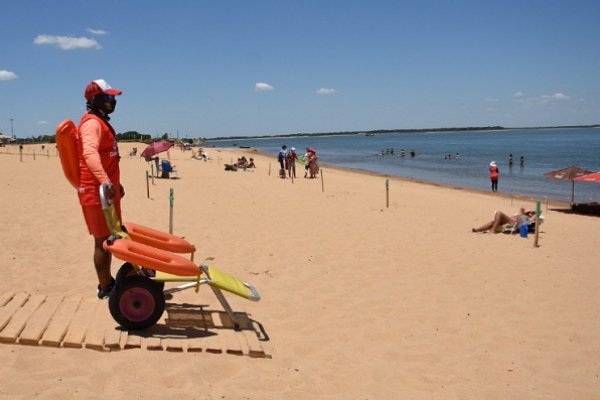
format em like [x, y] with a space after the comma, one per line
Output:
[164, 277]
[231, 284]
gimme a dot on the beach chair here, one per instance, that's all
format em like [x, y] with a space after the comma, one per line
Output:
[514, 227]
[152, 258]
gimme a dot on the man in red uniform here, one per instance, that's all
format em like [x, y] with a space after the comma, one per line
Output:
[99, 165]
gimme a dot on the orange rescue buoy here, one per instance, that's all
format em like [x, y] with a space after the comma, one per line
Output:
[67, 143]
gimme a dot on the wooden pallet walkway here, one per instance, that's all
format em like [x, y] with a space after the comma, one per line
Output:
[75, 322]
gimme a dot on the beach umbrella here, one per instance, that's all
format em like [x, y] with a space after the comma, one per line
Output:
[595, 177]
[155, 148]
[568, 174]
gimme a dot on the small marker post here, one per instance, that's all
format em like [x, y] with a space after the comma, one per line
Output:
[322, 181]
[387, 193]
[147, 185]
[538, 211]
[171, 199]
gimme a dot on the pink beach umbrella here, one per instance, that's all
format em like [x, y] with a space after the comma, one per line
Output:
[155, 148]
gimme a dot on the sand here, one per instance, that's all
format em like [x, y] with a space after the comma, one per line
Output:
[359, 300]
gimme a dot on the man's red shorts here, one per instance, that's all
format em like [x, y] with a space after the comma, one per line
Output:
[94, 219]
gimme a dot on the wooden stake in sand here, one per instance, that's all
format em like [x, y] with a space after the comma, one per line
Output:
[387, 193]
[322, 183]
[171, 198]
[269, 169]
[538, 211]
[147, 185]
[33, 155]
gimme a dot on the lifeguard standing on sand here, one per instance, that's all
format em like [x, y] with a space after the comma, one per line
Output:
[494, 174]
[100, 166]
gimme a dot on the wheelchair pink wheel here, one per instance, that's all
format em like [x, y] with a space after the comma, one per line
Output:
[137, 303]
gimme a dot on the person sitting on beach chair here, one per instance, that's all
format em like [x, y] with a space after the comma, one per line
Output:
[505, 223]
[166, 169]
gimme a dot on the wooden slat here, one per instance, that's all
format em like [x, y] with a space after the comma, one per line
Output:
[37, 324]
[189, 318]
[133, 342]
[174, 345]
[213, 343]
[10, 333]
[230, 342]
[195, 345]
[255, 350]
[82, 318]
[112, 331]
[7, 311]
[94, 338]
[153, 343]
[5, 298]
[222, 320]
[112, 338]
[57, 328]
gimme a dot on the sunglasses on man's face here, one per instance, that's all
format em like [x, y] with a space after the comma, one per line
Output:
[109, 97]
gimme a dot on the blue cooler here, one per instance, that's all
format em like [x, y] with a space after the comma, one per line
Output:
[524, 229]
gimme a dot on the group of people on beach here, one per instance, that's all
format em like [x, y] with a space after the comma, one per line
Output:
[287, 162]
[242, 163]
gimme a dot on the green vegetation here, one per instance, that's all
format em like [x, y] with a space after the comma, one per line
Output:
[381, 131]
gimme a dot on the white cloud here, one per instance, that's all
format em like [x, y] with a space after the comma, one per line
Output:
[559, 97]
[7, 75]
[490, 100]
[262, 87]
[42, 122]
[67, 42]
[326, 91]
[97, 31]
[519, 94]
[544, 100]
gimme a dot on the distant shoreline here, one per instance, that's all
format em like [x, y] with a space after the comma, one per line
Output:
[388, 131]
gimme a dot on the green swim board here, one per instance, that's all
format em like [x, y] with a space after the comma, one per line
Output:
[303, 160]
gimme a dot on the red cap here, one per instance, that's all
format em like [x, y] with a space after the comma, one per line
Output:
[99, 86]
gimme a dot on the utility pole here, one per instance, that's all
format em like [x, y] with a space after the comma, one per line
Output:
[12, 135]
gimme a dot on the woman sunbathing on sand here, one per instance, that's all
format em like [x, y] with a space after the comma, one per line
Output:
[500, 219]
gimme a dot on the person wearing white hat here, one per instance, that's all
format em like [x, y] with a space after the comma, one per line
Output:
[494, 175]
[99, 166]
[290, 162]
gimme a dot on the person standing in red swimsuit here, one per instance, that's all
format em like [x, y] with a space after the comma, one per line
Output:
[494, 175]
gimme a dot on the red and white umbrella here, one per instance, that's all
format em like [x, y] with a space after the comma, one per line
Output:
[595, 177]
[568, 174]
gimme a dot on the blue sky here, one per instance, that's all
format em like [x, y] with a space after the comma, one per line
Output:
[228, 68]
